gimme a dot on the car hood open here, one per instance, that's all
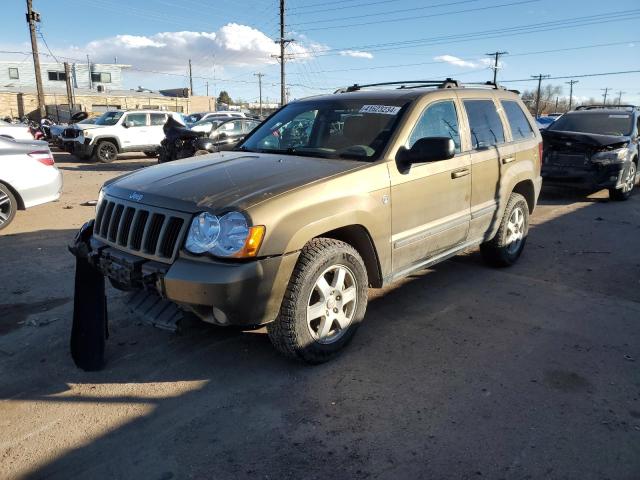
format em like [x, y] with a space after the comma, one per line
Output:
[584, 139]
[223, 180]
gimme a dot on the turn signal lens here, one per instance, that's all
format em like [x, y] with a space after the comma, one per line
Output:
[253, 242]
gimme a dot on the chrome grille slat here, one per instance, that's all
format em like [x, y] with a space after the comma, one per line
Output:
[149, 232]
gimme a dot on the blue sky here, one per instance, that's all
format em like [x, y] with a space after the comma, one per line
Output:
[339, 43]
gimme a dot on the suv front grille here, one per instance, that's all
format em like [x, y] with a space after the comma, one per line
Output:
[142, 230]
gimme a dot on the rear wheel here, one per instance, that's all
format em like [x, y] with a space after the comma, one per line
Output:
[106, 151]
[324, 303]
[151, 154]
[621, 194]
[8, 206]
[506, 247]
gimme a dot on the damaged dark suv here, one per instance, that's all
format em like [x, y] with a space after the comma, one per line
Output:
[594, 146]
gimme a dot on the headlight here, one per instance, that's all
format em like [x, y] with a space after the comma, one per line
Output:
[225, 236]
[612, 156]
[100, 197]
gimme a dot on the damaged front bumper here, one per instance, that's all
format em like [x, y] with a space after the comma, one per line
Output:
[591, 175]
[225, 293]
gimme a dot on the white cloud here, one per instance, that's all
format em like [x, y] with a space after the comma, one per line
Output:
[356, 54]
[458, 62]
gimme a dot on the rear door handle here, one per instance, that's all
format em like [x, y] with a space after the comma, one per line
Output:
[508, 159]
[460, 173]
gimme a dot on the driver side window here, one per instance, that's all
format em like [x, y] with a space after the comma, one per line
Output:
[438, 120]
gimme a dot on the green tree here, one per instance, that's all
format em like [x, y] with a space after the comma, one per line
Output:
[225, 98]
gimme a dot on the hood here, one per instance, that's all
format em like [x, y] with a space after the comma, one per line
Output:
[584, 139]
[222, 180]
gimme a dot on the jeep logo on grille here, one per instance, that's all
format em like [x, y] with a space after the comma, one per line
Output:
[136, 196]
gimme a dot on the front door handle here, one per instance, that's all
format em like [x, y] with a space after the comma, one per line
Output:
[508, 159]
[460, 173]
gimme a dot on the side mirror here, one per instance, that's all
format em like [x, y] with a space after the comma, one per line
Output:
[127, 124]
[430, 149]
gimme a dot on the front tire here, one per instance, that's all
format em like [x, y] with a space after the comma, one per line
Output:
[505, 248]
[623, 193]
[324, 303]
[8, 206]
[106, 151]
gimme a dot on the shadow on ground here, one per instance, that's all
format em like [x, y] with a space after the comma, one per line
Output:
[460, 371]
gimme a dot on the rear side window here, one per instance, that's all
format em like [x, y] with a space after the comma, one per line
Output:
[138, 119]
[484, 122]
[158, 118]
[520, 127]
[438, 120]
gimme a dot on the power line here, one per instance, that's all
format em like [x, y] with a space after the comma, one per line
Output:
[339, 2]
[585, 75]
[564, 23]
[415, 17]
[342, 7]
[386, 13]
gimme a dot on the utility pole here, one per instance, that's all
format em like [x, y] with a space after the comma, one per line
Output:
[259, 75]
[496, 55]
[606, 92]
[539, 77]
[89, 72]
[283, 42]
[67, 77]
[32, 19]
[571, 83]
[207, 85]
[620, 93]
[190, 80]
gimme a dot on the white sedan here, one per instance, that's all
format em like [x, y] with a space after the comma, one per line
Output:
[19, 131]
[28, 177]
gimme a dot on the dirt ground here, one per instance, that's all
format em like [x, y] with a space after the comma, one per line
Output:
[460, 371]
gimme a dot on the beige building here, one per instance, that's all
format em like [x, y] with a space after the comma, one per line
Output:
[24, 101]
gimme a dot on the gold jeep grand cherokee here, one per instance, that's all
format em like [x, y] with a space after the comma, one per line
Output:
[329, 196]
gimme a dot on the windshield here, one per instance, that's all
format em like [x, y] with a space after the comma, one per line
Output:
[617, 124]
[108, 118]
[340, 128]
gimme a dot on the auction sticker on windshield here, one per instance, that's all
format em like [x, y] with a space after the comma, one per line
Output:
[383, 109]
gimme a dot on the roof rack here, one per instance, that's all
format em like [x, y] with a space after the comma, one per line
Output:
[446, 83]
[595, 107]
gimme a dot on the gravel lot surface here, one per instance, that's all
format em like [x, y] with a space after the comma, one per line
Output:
[460, 371]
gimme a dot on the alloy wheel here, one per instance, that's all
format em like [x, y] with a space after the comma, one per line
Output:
[332, 304]
[515, 230]
[630, 181]
[5, 207]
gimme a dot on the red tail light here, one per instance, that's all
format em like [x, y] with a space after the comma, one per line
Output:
[540, 152]
[44, 157]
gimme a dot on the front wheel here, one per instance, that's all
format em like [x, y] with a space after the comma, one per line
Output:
[505, 248]
[106, 151]
[623, 193]
[324, 303]
[8, 206]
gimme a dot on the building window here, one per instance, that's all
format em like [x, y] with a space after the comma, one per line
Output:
[13, 74]
[57, 76]
[97, 77]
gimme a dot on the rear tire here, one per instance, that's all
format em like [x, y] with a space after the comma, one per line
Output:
[106, 151]
[8, 206]
[324, 303]
[151, 154]
[505, 248]
[622, 194]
